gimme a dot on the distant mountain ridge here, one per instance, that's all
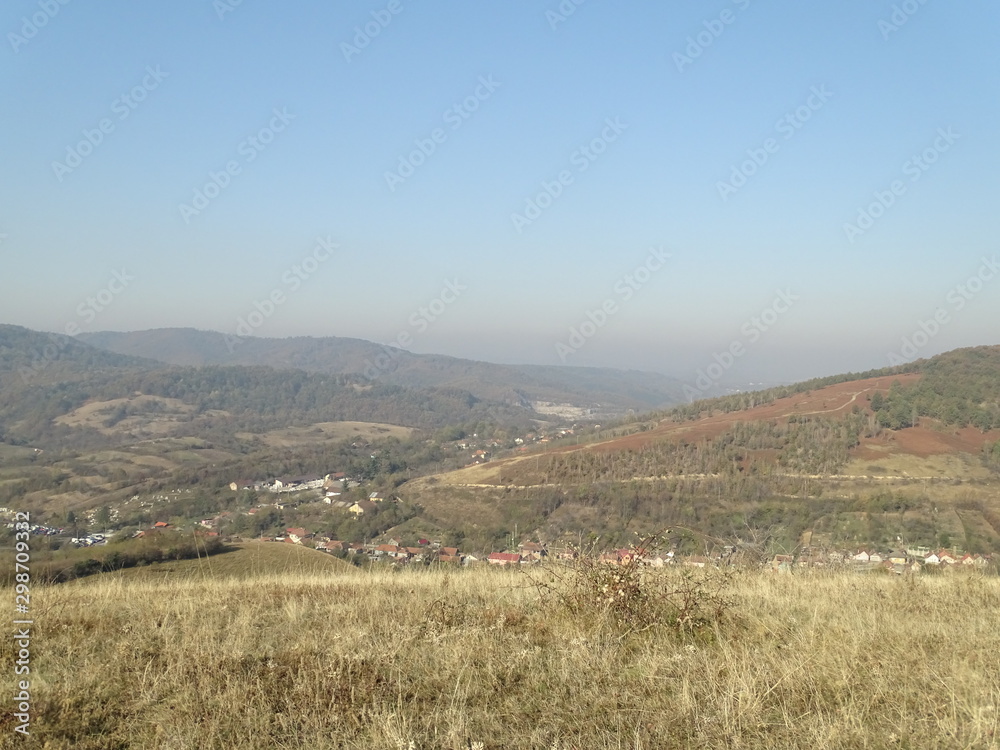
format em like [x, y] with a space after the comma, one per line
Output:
[604, 389]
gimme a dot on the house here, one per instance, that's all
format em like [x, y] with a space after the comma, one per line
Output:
[504, 558]
[241, 484]
[376, 497]
[332, 546]
[361, 507]
[448, 551]
[161, 525]
[932, 559]
[295, 484]
[946, 557]
[449, 559]
[862, 556]
[898, 557]
[390, 550]
[533, 548]
[815, 560]
[298, 535]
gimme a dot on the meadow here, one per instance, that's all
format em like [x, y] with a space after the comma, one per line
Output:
[342, 657]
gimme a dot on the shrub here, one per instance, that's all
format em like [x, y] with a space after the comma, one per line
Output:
[634, 597]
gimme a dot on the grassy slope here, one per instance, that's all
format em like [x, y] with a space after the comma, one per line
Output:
[480, 659]
[247, 560]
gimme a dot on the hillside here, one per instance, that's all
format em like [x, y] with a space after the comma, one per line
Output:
[245, 560]
[33, 358]
[79, 425]
[902, 454]
[490, 660]
[909, 454]
[47, 376]
[605, 390]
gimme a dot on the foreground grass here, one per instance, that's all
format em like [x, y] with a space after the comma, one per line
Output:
[462, 659]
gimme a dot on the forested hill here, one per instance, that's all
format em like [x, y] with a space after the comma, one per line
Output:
[46, 376]
[960, 387]
[32, 357]
[606, 389]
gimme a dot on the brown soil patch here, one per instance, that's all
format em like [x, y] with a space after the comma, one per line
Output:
[926, 441]
[829, 401]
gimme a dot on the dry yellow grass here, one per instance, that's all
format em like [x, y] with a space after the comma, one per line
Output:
[482, 659]
[320, 432]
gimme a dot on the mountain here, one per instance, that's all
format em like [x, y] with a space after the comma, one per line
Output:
[604, 390]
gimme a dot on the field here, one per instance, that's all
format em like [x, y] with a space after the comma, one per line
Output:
[488, 658]
[322, 432]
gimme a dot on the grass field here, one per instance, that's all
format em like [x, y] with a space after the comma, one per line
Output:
[244, 560]
[489, 659]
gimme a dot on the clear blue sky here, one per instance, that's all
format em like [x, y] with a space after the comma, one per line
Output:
[507, 95]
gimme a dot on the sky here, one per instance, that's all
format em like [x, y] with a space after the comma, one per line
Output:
[727, 192]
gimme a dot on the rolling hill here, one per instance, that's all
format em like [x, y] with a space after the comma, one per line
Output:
[605, 390]
[912, 453]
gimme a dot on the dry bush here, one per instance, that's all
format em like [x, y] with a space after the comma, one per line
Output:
[635, 597]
